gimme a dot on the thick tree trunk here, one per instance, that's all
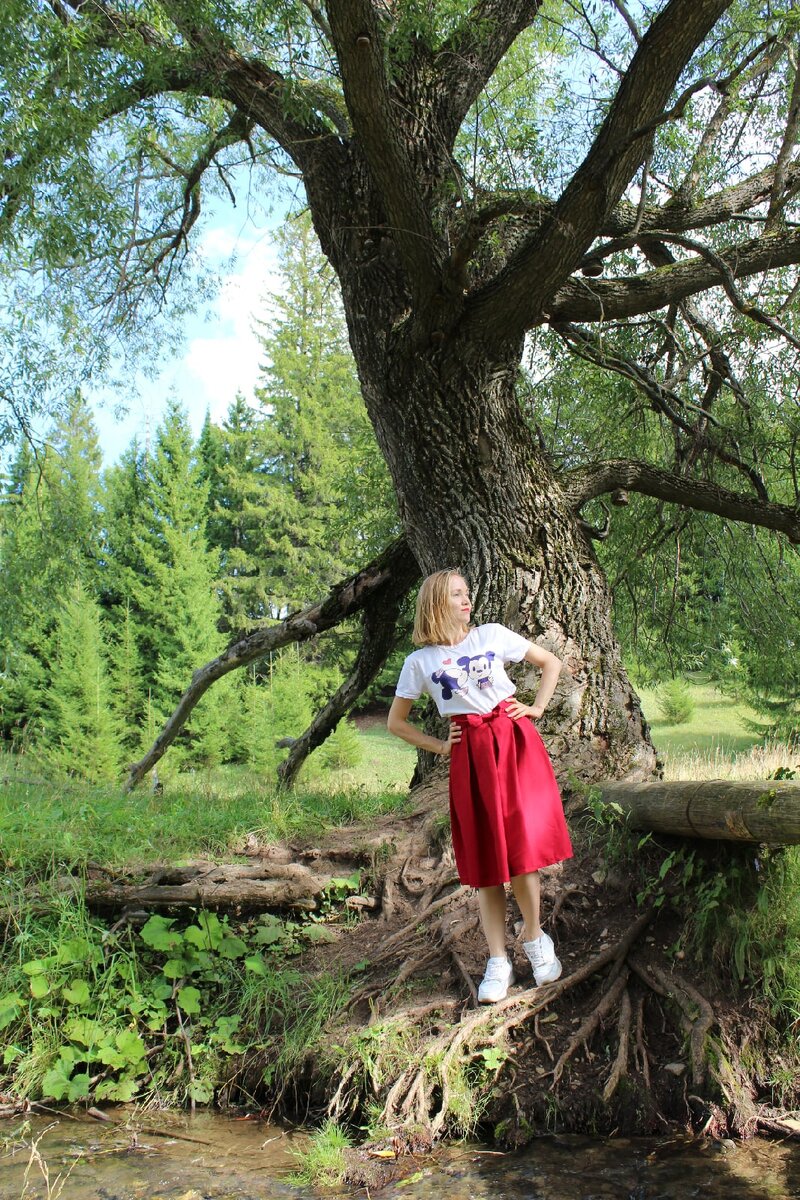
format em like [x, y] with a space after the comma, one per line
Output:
[476, 493]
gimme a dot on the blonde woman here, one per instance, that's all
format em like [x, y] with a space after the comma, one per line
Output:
[506, 814]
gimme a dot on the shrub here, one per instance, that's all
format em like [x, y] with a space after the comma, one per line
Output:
[342, 749]
[675, 702]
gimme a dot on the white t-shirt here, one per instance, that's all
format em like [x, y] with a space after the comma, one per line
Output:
[469, 677]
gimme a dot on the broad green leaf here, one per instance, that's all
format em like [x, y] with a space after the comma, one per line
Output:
[189, 1000]
[77, 992]
[158, 933]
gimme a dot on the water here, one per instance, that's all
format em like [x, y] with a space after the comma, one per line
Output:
[249, 1160]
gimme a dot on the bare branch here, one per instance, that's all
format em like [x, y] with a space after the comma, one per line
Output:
[727, 280]
[394, 571]
[663, 399]
[378, 635]
[629, 21]
[594, 479]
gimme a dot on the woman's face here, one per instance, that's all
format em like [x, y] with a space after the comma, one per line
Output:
[460, 607]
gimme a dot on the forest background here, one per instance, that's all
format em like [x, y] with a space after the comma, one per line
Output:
[118, 583]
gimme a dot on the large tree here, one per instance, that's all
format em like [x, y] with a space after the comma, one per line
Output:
[474, 171]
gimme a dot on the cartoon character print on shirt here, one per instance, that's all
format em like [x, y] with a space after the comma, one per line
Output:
[452, 679]
[479, 668]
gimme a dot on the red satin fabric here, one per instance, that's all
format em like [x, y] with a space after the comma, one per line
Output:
[505, 809]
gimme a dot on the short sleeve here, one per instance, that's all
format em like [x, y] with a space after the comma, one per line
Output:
[410, 685]
[514, 645]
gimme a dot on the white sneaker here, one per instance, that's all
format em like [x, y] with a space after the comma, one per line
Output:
[496, 982]
[542, 955]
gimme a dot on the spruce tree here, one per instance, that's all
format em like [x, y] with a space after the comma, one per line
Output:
[172, 591]
[80, 733]
[51, 538]
[329, 501]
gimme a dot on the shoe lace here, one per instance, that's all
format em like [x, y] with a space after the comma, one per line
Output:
[537, 954]
[496, 968]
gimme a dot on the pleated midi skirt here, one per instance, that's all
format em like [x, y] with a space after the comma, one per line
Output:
[505, 808]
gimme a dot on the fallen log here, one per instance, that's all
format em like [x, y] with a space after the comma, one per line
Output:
[757, 811]
[224, 888]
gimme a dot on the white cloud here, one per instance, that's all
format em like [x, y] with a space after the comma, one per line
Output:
[221, 353]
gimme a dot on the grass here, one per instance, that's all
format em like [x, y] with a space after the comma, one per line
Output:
[717, 742]
[46, 823]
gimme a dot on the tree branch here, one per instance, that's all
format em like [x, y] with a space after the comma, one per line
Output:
[467, 60]
[594, 479]
[394, 571]
[373, 111]
[378, 632]
[255, 89]
[779, 187]
[613, 299]
[514, 301]
[663, 399]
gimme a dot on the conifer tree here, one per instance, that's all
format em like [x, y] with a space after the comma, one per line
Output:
[80, 732]
[51, 538]
[233, 459]
[172, 589]
[330, 504]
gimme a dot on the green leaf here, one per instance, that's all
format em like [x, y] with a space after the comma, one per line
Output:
[122, 1090]
[158, 933]
[266, 935]
[319, 933]
[207, 933]
[40, 986]
[131, 1046]
[189, 1000]
[85, 1032]
[56, 1082]
[10, 1004]
[232, 947]
[255, 963]
[77, 992]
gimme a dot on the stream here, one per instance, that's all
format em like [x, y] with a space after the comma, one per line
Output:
[174, 1156]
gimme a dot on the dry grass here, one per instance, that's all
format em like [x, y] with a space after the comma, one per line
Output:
[759, 762]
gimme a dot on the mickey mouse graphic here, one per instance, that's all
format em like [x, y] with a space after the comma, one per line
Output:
[452, 679]
[479, 668]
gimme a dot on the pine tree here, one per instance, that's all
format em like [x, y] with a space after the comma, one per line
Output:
[80, 733]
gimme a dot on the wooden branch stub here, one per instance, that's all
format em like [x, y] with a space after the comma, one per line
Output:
[755, 811]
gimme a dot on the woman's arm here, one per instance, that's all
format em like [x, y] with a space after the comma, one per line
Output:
[399, 724]
[550, 666]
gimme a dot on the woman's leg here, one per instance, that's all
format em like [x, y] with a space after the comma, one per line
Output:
[492, 905]
[526, 893]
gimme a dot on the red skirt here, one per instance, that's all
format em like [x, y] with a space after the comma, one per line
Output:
[505, 808]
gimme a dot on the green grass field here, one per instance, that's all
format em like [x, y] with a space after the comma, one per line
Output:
[719, 723]
[46, 824]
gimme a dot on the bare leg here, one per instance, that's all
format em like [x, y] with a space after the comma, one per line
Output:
[492, 904]
[526, 893]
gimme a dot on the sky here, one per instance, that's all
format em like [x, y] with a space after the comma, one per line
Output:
[218, 354]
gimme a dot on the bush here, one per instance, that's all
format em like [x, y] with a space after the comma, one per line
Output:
[342, 749]
[675, 702]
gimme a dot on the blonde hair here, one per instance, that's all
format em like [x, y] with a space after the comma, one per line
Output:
[433, 621]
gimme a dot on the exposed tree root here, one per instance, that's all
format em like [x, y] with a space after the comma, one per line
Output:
[592, 1023]
[684, 995]
[620, 1067]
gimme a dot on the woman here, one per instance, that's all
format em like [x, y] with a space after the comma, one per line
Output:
[505, 810]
